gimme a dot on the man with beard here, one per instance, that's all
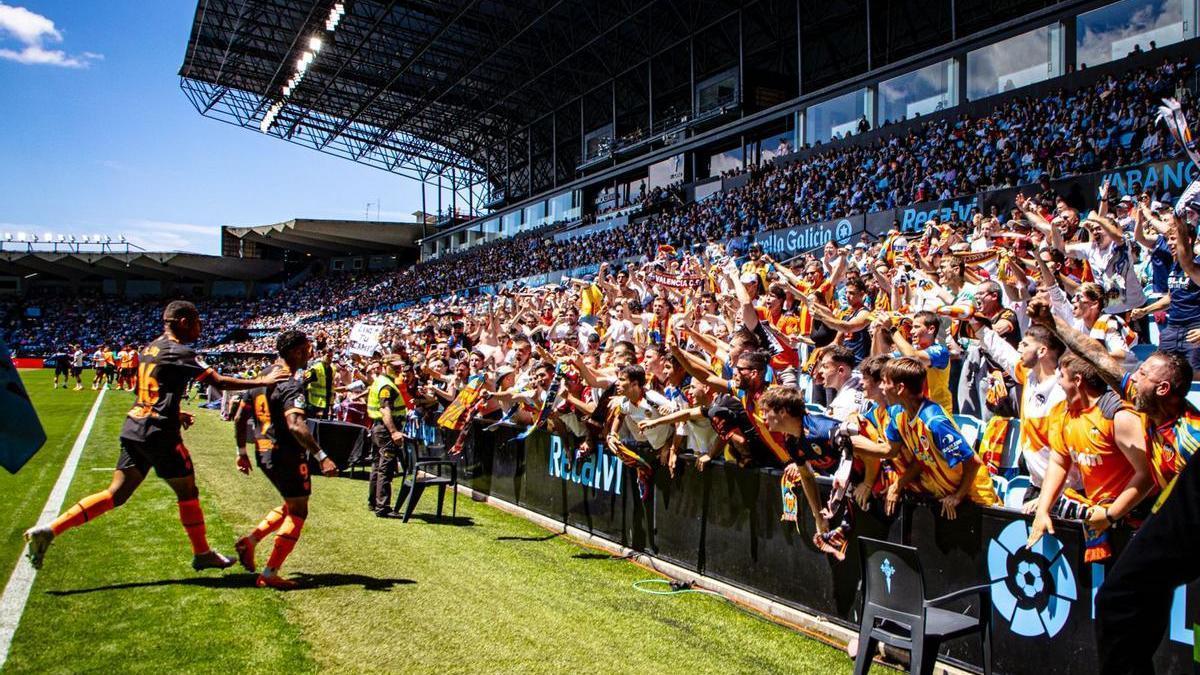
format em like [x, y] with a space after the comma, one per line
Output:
[1133, 604]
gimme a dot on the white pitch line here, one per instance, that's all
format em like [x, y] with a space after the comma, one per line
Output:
[16, 593]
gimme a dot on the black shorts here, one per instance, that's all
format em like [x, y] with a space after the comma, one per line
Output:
[76, 371]
[287, 470]
[110, 370]
[61, 369]
[127, 373]
[169, 461]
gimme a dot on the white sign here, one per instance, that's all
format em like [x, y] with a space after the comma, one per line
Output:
[364, 339]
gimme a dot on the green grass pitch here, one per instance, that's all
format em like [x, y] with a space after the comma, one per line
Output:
[492, 594]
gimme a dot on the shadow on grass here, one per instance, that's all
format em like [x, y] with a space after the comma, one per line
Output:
[547, 537]
[246, 580]
[601, 556]
[434, 519]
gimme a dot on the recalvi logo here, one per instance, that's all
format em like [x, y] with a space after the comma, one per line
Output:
[601, 470]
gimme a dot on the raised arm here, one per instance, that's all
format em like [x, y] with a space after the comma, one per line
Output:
[699, 369]
[1082, 344]
[1140, 235]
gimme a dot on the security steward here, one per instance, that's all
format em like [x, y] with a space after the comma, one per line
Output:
[319, 387]
[387, 412]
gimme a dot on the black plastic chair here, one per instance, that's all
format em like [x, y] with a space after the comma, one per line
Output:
[419, 472]
[895, 611]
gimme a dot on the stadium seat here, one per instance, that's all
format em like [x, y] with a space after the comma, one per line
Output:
[1000, 485]
[420, 472]
[1014, 495]
[896, 612]
[971, 427]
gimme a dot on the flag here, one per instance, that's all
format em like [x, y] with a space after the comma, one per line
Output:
[21, 433]
[1170, 113]
[453, 417]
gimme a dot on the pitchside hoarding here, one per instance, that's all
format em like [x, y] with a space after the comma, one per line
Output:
[724, 522]
[783, 244]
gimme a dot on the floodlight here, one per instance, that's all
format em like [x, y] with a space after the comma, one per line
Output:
[315, 43]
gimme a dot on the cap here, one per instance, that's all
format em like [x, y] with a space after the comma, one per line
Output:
[1127, 200]
[1156, 205]
[749, 278]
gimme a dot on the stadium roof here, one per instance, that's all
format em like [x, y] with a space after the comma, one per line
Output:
[418, 87]
[161, 266]
[332, 237]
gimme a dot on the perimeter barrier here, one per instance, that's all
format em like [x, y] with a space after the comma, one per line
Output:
[724, 522]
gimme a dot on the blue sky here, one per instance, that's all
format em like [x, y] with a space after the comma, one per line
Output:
[97, 137]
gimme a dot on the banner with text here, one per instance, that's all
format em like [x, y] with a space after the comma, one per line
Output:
[364, 339]
[783, 244]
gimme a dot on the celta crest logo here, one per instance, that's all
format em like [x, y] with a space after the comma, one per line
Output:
[888, 570]
[1032, 589]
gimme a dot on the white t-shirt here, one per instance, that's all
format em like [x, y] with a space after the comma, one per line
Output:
[1114, 269]
[620, 330]
[647, 408]
[849, 399]
[579, 335]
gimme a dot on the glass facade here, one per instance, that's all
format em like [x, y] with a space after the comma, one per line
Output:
[1016, 62]
[776, 146]
[921, 92]
[837, 117]
[535, 215]
[562, 206]
[1102, 35]
[721, 162]
[1114, 31]
[510, 223]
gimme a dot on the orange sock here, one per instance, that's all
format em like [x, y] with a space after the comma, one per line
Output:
[84, 510]
[285, 541]
[193, 522]
[269, 524]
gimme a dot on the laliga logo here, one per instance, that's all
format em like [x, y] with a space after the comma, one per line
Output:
[1032, 589]
[842, 230]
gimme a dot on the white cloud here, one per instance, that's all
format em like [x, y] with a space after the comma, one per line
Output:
[35, 32]
[149, 235]
[158, 235]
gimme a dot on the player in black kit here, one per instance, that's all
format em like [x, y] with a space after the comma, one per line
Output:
[152, 437]
[282, 443]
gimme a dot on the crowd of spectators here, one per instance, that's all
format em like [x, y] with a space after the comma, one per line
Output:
[1022, 140]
